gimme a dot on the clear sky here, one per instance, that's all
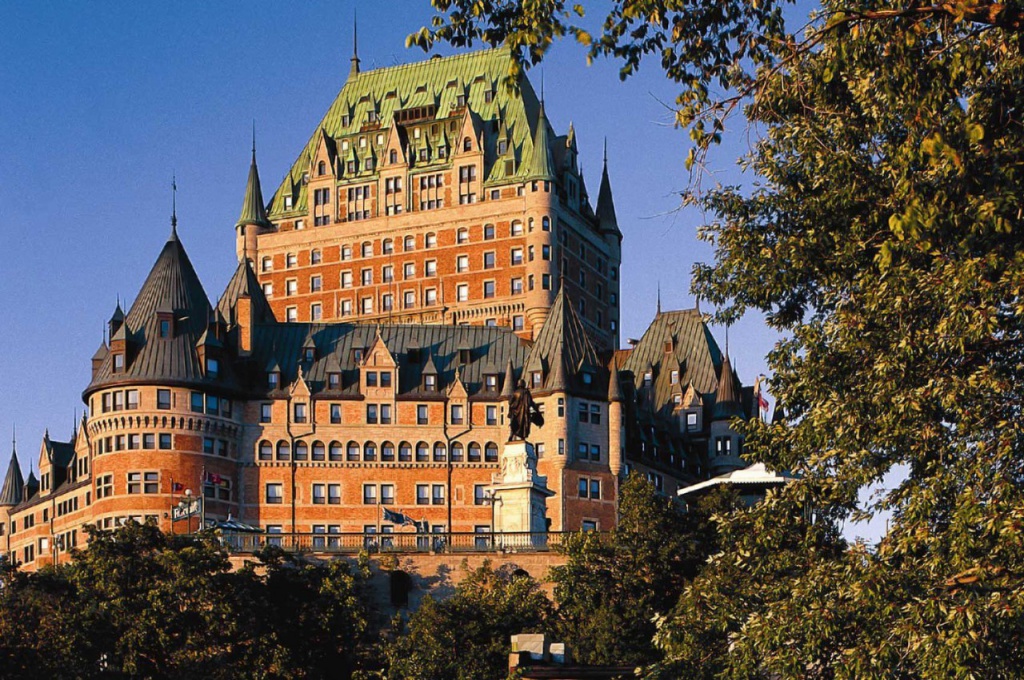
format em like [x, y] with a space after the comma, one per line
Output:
[101, 102]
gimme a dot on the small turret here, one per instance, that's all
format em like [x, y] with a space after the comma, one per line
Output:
[727, 404]
[116, 320]
[541, 165]
[13, 490]
[253, 218]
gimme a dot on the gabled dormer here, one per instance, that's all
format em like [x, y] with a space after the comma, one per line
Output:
[273, 372]
[378, 375]
[322, 161]
[309, 351]
[299, 393]
[211, 351]
[458, 402]
[332, 373]
[430, 376]
[468, 141]
[690, 411]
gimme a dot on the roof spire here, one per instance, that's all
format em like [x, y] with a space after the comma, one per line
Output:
[606, 219]
[253, 209]
[541, 165]
[253, 140]
[659, 297]
[174, 208]
[355, 45]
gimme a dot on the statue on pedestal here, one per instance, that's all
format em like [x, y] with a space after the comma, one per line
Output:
[522, 413]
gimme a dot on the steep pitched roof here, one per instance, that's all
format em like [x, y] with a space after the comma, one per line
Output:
[607, 221]
[694, 353]
[727, 403]
[437, 82]
[437, 348]
[13, 489]
[563, 347]
[253, 209]
[541, 165]
[244, 283]
[171, 287]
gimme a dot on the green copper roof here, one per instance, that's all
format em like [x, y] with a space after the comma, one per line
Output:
[253, 210]
[438, 82]
[541, 166]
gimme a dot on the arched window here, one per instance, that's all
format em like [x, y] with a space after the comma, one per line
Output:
[545, 223]
[319, 451]
[457, 452]
[387, 451]
[439, 452]
[266, 451]
[335, 451]
[301, 450]
[422, 452]
[405, 452]
[352, 453]
[467, 144]
[388, 246]
[491, 452]
[474, 452]
[284, 450]
[393, 157]
[370, 451]
[321, 169]
[410, 243]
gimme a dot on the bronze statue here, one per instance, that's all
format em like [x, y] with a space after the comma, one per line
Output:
[522, 413]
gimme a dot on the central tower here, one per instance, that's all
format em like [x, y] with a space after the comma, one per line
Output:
[434, 193]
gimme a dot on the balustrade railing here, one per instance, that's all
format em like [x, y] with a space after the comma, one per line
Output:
[353, 543]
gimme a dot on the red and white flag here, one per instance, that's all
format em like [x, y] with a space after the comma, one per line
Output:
[762, 403]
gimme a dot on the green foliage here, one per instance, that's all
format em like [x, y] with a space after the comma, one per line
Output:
[140, 603]
[882, 238]
[612, 587]
[468, 636]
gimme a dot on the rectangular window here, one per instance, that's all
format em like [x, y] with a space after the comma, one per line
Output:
[595, 414]
[319, 494]
[133, 399]
[300, 412]
[462, 292]
[334, 494]
[149, 441]
[517, 256]
[584, 487]
[369, 494]
[479, 495]
[584, 412]
[488, 289]
[134, 482]
[385, 414]
[208, 444]
[151, 482]
[595, 452]
[265, 411]
[134, 442]
[422, 494]
[421, 414]
[371, 414]
[457, 414]
[335, 414]
[437, 494]
[274, 494]
[595, 489]
[387, 494]
[165, 441]
[492, 415]
[212, 405]
[119, 401]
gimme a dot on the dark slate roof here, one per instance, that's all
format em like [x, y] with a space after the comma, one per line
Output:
[31, 487]
[694, 353]
[172, 286]
[606, 219]
[281, 345]
[727, 403]
[13, 490]
[563, 348]
[60, 454]
[242, 283]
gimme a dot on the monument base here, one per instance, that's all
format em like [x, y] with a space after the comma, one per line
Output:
[518, 492]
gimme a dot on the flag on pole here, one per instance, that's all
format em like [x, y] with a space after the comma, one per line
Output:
[398, 518]
[215, 479]
[762, 403]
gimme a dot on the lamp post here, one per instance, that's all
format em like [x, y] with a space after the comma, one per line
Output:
[492, 498]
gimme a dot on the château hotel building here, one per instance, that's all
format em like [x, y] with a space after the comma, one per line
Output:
[433, 243]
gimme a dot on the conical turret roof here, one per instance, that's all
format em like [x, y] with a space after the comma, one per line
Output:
[727, 404]
[541, 164]
[254, 211]
[607, 221]
[31, 486]
[172, 287]
[12, 491]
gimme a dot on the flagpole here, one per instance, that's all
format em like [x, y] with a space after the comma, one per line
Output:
[202, 501]
[172, 505]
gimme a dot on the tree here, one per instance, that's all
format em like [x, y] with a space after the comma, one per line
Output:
[468, 636]
[140, 603]
[882, 237]
[612, 587]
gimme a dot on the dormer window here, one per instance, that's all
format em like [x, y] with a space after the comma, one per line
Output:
[118, 363]
[287, 202]
[385, 379]
[502, 147]
[414, 354]
[537, 379]
[334, 381]
[346, 120]
[309, 354]
[321, 169]
[212, 367]
[675, 377]
[430, 382]
[371, 378]
[273, 379]
[648, 377]
[491, 382]
[165, 328]
[464, 355]
[357, 356]
[588, 378]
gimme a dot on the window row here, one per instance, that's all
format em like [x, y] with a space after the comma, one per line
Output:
[372, 451]
[134, 442]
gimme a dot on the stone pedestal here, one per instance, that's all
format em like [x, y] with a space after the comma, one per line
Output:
[518, 492]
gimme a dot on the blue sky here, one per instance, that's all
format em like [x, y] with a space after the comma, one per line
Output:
[103, 101]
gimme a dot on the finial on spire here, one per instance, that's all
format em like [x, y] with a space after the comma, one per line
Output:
[355, 44]
[174, 206]
[659, 297]
[727, 339]
[542, 87]
[606, 151]
[14, 438]
[253, 140]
